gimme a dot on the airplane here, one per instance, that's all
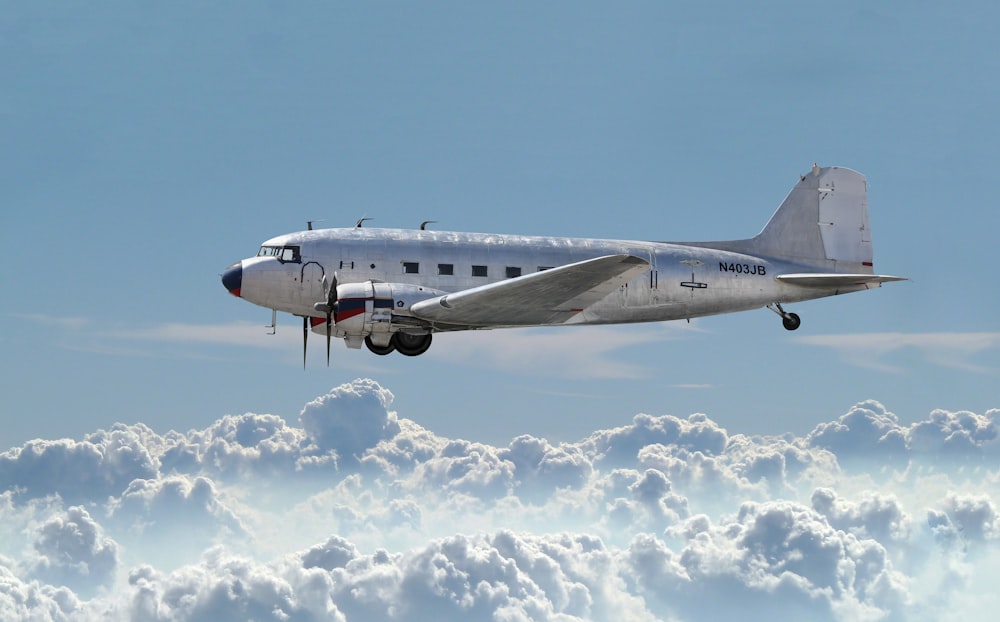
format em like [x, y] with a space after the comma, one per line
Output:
[393, 289]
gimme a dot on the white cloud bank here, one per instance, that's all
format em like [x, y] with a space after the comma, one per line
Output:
[356, 513]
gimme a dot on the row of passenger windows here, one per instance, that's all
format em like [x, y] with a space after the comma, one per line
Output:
[448, 269]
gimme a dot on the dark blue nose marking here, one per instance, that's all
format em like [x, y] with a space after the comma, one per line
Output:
[232, 278]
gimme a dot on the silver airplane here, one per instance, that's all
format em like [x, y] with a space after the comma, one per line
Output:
[392, 289]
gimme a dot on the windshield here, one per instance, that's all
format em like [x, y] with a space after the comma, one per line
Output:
[283, 253]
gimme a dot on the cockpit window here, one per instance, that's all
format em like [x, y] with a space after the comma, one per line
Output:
[283, 253]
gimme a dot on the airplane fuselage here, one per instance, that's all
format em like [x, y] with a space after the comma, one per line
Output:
[681, 282]
[392, 288]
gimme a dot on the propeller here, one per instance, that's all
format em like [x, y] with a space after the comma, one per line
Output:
[305, 338]
[329, 307]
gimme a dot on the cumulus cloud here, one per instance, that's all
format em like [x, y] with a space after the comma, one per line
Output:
[772, 559]
[355, 512]
[173, 502]
[30, 600]
[869, 432]
[504, 576]
[351, 418]
[72, 550]
[100, 465]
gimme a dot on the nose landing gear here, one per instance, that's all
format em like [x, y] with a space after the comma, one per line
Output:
[790, 321]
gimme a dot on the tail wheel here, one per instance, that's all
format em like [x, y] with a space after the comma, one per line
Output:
[791, 321]
[411, 345]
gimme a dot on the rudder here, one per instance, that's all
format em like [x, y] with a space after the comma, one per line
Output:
[822, 223]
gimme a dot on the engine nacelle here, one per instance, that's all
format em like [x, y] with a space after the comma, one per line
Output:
[368, 308]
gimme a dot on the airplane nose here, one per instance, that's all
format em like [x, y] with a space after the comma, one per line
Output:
[232, 278]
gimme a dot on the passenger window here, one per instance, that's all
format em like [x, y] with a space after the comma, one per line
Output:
[479, 271]
[411, 267]
[446, 269]
[513, 272]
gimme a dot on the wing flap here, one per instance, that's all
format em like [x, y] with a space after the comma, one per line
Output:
[549, 297]
[836, 280]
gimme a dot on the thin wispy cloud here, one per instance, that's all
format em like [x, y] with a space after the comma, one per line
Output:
[63, 322]
[233, 333]
[562, 352]
[953, 350]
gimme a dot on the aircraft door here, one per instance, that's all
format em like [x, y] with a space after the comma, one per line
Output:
[654, 280]
[644, 290]
[311, 282]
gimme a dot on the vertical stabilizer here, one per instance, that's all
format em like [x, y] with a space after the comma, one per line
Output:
[822, 223]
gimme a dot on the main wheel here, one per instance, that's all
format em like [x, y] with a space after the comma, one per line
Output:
[380, 350]
[411, 345]
[791, 321]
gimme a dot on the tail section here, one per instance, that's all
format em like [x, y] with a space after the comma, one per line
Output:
[822, 223]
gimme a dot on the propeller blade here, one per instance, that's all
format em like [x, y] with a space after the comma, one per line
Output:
[305, 338]
[331, 301]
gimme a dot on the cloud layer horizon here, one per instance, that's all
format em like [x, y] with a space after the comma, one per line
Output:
[358, 513]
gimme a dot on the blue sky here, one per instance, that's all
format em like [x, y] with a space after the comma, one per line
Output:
[146, 147]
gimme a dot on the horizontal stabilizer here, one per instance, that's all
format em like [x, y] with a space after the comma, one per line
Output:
[836, 280]
[548, 297]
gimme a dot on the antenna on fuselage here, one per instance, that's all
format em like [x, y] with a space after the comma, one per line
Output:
[423, 225]
[357, 225]
[309, 223]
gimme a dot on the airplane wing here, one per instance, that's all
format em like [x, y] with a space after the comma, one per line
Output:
[549, 297]
[835, 280]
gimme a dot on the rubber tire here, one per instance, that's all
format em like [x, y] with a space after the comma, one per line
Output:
[411, 345]
[791, 321]
[380, 350]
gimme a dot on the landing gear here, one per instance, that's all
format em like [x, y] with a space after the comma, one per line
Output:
[790, 321]
[409, 344]
[377, 349]
[406, 344]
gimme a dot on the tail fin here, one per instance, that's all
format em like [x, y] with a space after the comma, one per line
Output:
[822, 223]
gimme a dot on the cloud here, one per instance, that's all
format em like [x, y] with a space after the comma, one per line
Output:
[71, 550]
[173, 505]
[21, 600]
[774, 559]
[63, 322]
[970, 518]
[100, 465]
[485, 577]
[866, 431]
[350, 419]
[232, 333]
[953, 350]
[556, 352]
[869, 432]
[563, 352]
[356, 512]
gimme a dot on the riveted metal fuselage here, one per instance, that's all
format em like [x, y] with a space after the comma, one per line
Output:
[681, 282]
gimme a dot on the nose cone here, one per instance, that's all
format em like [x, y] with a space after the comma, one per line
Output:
[232, 278]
